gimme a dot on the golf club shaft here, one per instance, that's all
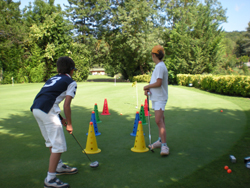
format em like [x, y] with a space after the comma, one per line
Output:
[149, 135]
[81, 147]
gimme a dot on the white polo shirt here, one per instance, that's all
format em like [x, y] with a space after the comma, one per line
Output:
[159, 93]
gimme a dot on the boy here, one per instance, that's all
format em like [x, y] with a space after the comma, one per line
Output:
[158, 88]
[47, 114]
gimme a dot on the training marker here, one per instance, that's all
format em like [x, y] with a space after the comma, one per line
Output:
[91, 145]
[105, 110]
[140, 145]
[93, 119]
[146, 108]
[142, 116]
[97, 114]
[137, 119]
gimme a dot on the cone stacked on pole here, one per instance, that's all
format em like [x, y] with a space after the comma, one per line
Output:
[140, 145]
[146, 108]
[91, 145]
[97, 114]
[142, 116]
[93, 120]
[137, 119]
[105, 110]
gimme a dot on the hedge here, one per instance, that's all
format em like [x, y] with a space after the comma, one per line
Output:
[142, 78]
[235, 85]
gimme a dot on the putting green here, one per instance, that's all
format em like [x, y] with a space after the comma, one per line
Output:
[197, 134]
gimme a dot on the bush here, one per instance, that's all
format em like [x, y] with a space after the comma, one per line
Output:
[142, 78]
[37, 74]
[229, 84]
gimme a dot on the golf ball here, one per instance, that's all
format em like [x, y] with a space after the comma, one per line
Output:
[229, 171]
[226, 167]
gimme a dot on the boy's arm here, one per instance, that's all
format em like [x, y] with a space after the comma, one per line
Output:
[158, 83]
[67, 112]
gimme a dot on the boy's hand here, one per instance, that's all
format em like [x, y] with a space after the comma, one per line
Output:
[146, 92]
[64, 122]
[69, 128]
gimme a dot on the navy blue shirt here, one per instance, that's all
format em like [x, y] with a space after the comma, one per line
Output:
[53, 92]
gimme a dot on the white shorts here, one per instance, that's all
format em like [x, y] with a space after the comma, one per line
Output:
[51, 129]
[157, 105]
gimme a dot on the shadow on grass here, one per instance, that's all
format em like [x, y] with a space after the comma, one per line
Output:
[196, 138]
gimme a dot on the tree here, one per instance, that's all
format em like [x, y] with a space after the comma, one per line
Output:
[50, 37]
[193, 41]
[130, 43]
[12, 36]
[247, 41]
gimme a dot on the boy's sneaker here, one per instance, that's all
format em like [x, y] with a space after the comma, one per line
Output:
[65, 169]
[55, 183]
[156, 144]
[164, 150]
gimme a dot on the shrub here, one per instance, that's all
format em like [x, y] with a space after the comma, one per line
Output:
[229, 84]
[141, 78]
[37, 73]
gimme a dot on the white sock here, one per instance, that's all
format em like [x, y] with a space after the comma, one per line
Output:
[50, 176]
[60, 163]
[164, 144]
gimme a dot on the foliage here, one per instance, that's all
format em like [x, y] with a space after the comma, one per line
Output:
[142, 78]
[193, 41]
[234, 35]
[49, 37]
[118, 35]
[132, 41]
[12, 36]
[229, 84]
[79, 55]
[90, 20]
[247, 41]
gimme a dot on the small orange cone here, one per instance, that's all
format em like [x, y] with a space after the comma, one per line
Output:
[105, 110]
[140, 145]
[91, 145]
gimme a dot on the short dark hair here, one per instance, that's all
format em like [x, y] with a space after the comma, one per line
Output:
[65, 65]
[160, 56]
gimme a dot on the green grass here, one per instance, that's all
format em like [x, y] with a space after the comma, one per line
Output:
[97, 77]
[200, 138]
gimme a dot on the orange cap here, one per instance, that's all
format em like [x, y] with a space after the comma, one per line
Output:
[156, 49]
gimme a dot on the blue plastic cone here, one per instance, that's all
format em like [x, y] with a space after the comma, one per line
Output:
[94, 123]
[137, 119]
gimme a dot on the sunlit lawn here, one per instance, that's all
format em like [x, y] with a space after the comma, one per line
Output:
[199, 135]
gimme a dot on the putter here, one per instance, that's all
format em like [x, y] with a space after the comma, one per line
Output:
[92, 164]
[149, 132]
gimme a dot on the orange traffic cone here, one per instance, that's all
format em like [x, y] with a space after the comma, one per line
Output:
[140, 145]
[105, 110]
[91, 145]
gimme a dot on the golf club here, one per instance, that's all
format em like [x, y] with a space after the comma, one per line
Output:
[92, 164]
[149, 133]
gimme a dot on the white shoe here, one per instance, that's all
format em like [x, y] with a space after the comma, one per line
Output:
[164, 150]
[55, 183]
[65, 169]
[156, 144]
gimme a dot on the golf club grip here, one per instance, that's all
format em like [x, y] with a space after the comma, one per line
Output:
[61, 118]
[148, 100]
